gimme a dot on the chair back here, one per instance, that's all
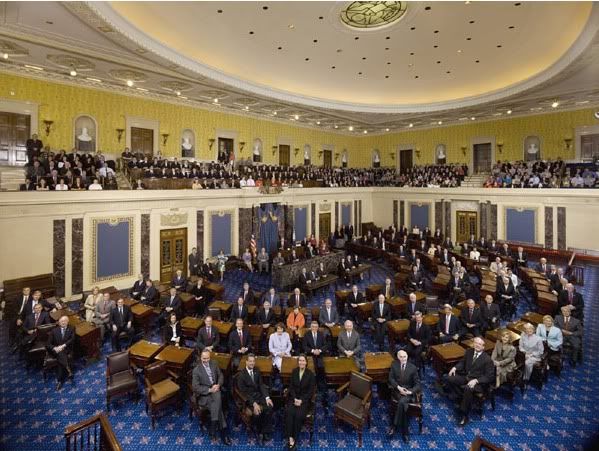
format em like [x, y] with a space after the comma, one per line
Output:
[360, 385]
[432, 304]
[117, 362]
[214, 313]
[43, 331]
[156, 372]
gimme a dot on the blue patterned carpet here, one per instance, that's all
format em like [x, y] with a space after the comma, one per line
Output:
[562, 416]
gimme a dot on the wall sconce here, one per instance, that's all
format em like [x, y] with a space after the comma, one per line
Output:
[464, 150]
[119, 133]
[418, 153]
[164, 138]
[274, 149]
[500, 146]
[296, 151]
[320, 152]
[48, 123]
[211, 143]
[568, 142]
[241, 145]
[392, 155]
[336, 156]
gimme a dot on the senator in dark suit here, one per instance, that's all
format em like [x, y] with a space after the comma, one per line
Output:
[413, 306]
[315, 345]
[506, 294]
[201, 296]
[419, 337]
[247, 294]
[471, 318]
[240, 342]
[471, 375]
[353, 299]
[572, 335]
[138, 288]
[328, 315]
[490, 313]
[297, 298]
[239, 310]
[195, 262]
[208, 336]
[302, 387]
[415, 280]
[170, 304]
[573, 300]
[456, 288]
[120, 321]
[404, 383]
[60, 346]
[266, 316]
[381, 313]
[149, 294]
[179, 281]
[27, 334]
[253, 389]
[448, 326]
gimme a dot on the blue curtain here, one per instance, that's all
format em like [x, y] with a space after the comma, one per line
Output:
[221, 233]
[419, 216]
[112, 249]
[269, 216]
[520, 225]
[300, 220]
[345, 215]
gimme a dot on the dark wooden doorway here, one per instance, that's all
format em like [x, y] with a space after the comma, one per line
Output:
[482, 158]
[467, 224]
[405, 160]
[327, 158]
[14, 133]
[589, 146]
[173, 253]
[142, 140]
[284, 155]
[324, 225]
[225, 149]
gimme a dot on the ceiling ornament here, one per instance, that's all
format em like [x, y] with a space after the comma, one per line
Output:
[12, 49]
[214, 95]
[174, 85]
[127, 74]
[70, 61]
[368, 15]
[246, 101]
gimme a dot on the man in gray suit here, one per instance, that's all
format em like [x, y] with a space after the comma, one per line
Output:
[272, 297]
[348, 344]
[572, 331]
[207, 384]
[328, 314]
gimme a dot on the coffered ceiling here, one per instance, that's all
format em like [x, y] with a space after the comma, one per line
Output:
[441, 63]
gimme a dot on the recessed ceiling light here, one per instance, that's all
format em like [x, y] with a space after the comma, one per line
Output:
[471, 22]
[265, 8]
[215, 100]
[93, 79]
[386, 129]
[307, 59]
[386, 48]
[388, 63]
[247, 108]
[129, 83]
[472, 118]
[388, 37]
[412, 28]
[468, 39]
[351, 128]
[220, 11]
[438, 62]
[477, 61]
[436, 31]
[435, 46]
[448, 72]
[339, 50]
[498, 46]
[279, 48]
[29, 66]
[359, 73]
[317, 122]
[511, 27]
[555, 104]
[509, 111]
[363, 58]
[427, 8]
[410, 125]
[296, 117]
[5, 56]
[459, 50]
[517, 4]
[417, 76]
[336, 126]
[320, 17]
[251, 32]
[411, 53]
[365, 131]
[274, 113]
[291, 26]
[178, 93]
[440, 122]
[386, 76]
[315, 41]
[49, 22]
[356, 38]
[332, 67]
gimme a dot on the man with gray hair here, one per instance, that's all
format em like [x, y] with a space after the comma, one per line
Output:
[348, 344]
[404, 384]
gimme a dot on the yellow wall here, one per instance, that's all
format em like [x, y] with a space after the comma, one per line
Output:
[62, 103]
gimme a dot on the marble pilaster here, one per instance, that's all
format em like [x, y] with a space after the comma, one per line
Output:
[492, 222]
[549, 227]
[245, 228]
[145, 244]
[395, 212]
[438, 215]
[200, 233]
[561, 228]
[77, 256]
[58, 261]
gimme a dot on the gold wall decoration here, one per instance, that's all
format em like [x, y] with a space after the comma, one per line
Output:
[173, 219]
[324, 207]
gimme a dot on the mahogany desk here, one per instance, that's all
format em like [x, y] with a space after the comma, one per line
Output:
[190, 327]
[217, 290]
[398, 330]
[378, 365]
[489, 345]
[143, 352]
[178, 359]
[338, 369]
[142, 315]
[493, 335]
[445, 356]
[518, 326]
[398, 306]
[533, 318]
[223, 307]
[264, 364]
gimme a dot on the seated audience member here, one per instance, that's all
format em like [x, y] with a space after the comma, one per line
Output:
[138, 288]
[279, 260]
[208, 337]
[572, 335]
[121, 320]
[321, 271]
[415, 280]
[471, 319]
[247, 260]
[207, 383]
[295, 320]
[61, 185]
[102, 314]
[550, 334]
[504, 358]
[456, 288]
[304, 279]
[60, 346]
[490, 314]
[95, 186]
[521, 257]
[328, 315]
[573, 300]
[253, 389]
[381, 313]
[90, 304]
[239, 311]
[272, 296]
[448, 326]
[240, 342]
[315, 344]
[296, 299]
[207, 271]
[343, 270]
[353, 299]
[470, 376]
[172, 330]
[474, 254]
[496, 265]
[179, 281]
[555, 276]
[404, 384]
[414, 306]
[531, 345]
[171, 304]
[265, 316]
[293, 258]
[388, 289]
[419, 337]
[348, 344]
[506, 293]
[201, 296]
[542, 266]
[301, 388]
[263, 260]
[279, 345]
[149, 294]
[42, 185]
[27, 334]
[247, 294]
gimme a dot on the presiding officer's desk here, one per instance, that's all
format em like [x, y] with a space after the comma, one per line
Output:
[287, 275]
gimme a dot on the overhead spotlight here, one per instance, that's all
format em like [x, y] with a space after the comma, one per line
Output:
[247, 108]
[440, 122]
[386, 129]
[336, 126]
[555, 104]
[365, 131]
[5, 56]
[178, 93]
[317, 122]
[472, 118]
[129, 83]
[215, 100]
[596, 114]
[73, 72]
[296, 117]
[509, 112]
[274, 113]
[411, 125]
[291, 26]
[351, 128]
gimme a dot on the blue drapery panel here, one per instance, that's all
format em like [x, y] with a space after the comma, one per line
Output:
[419, 216]
[269, 215]
[112, 249]
[300, 221]
[221, 233]
[520, 225]
[345, 214]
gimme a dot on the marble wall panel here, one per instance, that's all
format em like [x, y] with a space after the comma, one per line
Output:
[492, 222]
[549, 226]
[561, 228]
[402, 213]
[438, 215]
[395, 212]
[58, 266]
[313, 225]
[145, 244]
[245, 228]
[447, 231]
[200, 233]
[77, 256]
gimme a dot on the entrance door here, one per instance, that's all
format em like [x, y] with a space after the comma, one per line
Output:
[467, 224]
[589, 146]
[284, 155]
[173, 253]
[14, 132]
[225, 149]
[482, 158]
[327, 158]
[142, 140]
[324, 225]
[405, 160]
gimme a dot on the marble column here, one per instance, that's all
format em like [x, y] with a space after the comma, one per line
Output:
[484, 210]
[360, 216]
[438, 215]
[313, 219]
[245, 228]
[402, 213]
[145, 244]
[77, 256]
[200, 233]
[395, 212]
[447, 231]
[492, 222]
[289, 226]
[337, 214]
[58, 260]
[549, 227]
[561, 228]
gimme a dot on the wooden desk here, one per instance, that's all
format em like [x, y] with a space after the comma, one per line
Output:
[190, 327]
[518, 326]
[364, 310]
[178, 359]
[360, 269]
[489, 345]
[288, 364]
[398, 330]
[398, 306]
[378, 365]
[188, 302]
[533, 318]
[264, 364]
[324, 281]
[223, 329]
[547, 302]
[130, 302]
[57, 314]
[217, 290]
[88, 335]
[445, 356]
[338, 369]
[224, 362]
[493, 335]
[372, 292]
[223, 307]
[142, 315]
[431, 320]
[143, 352]
[340, 300]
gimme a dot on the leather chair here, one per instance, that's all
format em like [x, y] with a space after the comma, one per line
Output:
[554, 359]
[215, 314]
[161, 391]
[37, 351]
[244, 412]
[480, 444]
[203, 415]
[353, 406]
[120, 379]
[432, 304]
[539, 371]
[310, 414]
[414, 409]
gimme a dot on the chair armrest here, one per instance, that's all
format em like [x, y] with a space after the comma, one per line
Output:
[173, 375]
[366, 399]
[342, 389]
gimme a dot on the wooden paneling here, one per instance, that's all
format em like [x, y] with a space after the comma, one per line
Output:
[284, 155]
[173, 253]
[142, 140]
[14, 132]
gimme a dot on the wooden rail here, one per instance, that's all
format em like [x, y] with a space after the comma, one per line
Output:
[92, 434]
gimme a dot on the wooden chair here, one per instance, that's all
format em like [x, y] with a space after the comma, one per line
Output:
[480, 444]
[161, 391]
[414, 409]
[37, 351]
[202, 414]
[353, 406]
[244, 412]
[120, 379]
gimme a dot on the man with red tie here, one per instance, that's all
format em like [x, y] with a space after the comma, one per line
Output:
[240, 342]
[573, 300]
[208, 337]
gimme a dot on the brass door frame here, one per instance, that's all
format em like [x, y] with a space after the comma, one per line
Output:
[466, 225]
[173, 245]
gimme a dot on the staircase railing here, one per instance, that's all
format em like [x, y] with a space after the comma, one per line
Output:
[93, 434]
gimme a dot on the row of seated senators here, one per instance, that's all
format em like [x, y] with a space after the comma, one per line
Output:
[543, 174]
